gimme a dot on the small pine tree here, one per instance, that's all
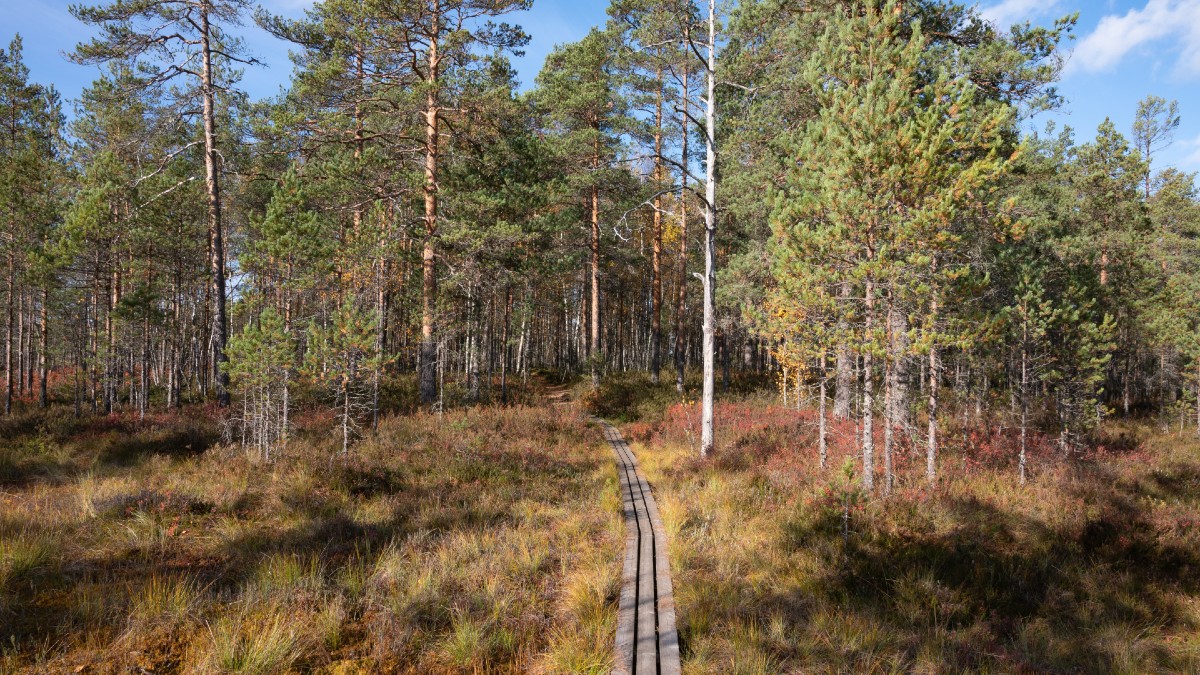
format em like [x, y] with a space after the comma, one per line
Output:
[341, 359]
[261, 360]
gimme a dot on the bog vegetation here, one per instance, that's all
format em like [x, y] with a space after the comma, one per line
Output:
[276, 370]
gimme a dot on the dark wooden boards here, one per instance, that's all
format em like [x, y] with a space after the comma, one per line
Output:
[647, 642]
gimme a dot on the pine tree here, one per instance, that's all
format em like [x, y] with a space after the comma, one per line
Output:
[188, 40]
[579, 96]
[261, 361]
[903, 153]
[30, 127]
[340, 359]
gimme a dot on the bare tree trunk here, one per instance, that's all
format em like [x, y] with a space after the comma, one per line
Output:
[21, 351]
[216, 243]
[822, 443]
[504, 350]
[594, 353]
[8, 339]
[43, 345]
[656, 291]
[710, 233]
[428, 385]
[345, 417]
[888, 422]
[868, 395]
[522, 364]
[1024, 399]
[145, 370]
[898, 326]
[681, 291]
[842, 366]
[934, 379]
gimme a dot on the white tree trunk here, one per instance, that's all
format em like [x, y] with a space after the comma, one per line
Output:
[710, 233]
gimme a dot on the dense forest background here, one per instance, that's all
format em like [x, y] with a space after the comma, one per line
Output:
[840, 197]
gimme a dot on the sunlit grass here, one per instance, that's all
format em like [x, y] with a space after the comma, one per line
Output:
[480, 540]
[779, 566]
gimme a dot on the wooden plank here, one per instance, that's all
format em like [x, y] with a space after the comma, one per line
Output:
[647, 642]
[627, 609]
[668, 635]
[646, 654]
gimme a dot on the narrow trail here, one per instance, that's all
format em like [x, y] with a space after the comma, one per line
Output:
[647, 642]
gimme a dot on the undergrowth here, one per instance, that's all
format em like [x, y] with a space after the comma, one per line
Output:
[780, 565]
[479, 540]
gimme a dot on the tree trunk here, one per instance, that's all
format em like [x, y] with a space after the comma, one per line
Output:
[1024, 399]
[681, 291]
[144, 375]
[842, 366]
[594, 353]
[428, 382]
[868, 395]
[508, 304]
[888, 424]
[710, 233]
[656, 291]
[898, 410]
[8, 338]
[931, 449]
[21, 351]
[216, 243]
[43, 345]
[822, 443]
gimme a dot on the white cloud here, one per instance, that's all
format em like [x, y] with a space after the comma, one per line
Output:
[1007, 12]
[1165, 23]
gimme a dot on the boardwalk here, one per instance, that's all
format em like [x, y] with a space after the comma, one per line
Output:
[647, 642]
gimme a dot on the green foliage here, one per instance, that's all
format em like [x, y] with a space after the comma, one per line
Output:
[261, 361]
[881, 201]
[291, 249]
[341, 358]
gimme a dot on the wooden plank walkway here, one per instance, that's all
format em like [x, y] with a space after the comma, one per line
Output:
[647, 642]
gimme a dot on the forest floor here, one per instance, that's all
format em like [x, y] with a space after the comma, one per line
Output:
[490, 540]
[484, 540]
[781, 566]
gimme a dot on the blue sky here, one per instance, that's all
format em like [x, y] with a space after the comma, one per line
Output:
[1123, 51]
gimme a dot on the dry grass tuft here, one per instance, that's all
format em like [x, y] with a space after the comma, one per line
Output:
[780, 566]
[479, 540]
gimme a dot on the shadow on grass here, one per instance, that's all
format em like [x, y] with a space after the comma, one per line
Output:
[991, 590]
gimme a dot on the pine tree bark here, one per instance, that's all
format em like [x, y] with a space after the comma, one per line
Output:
[1024, 398]
[594, 353]
[21, 351]
[43, 345]
[8, 337]
[427, 379]
[822, 443]
[934, 379]
[504, 350]
[844, 377]
[216, 243]
[656, 289]
[868, 395]
[681, 290]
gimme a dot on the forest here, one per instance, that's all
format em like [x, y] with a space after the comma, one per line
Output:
[307, 383]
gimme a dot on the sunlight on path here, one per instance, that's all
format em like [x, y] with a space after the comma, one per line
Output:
[647, 641]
